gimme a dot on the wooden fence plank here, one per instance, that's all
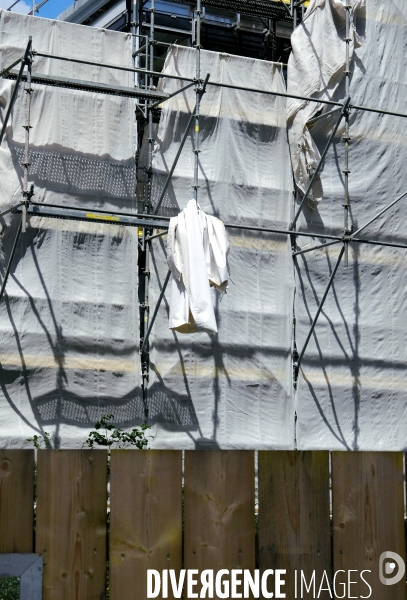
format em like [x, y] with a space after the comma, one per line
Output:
[16, 500]
[145, 518]
[71, 522]
[219, 526]
[368, 518]
[294, 519]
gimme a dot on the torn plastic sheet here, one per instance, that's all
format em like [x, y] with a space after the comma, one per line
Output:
[315, 69]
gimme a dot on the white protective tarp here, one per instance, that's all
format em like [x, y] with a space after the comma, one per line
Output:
[69, 323]
[317, 65]
[232, 389]
[352, 383]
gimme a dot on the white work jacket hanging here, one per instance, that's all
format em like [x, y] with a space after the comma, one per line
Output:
[197, 250]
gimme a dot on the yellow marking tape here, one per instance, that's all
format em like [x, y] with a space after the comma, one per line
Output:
[67, 362]
[104, 217]
[241, 373]
[88, 227]
[363, 381]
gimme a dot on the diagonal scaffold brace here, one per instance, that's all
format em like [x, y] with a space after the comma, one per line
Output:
[159, 102]
[379, 214]
[305, 250]
[297, 363]
[184, 139]
[343, 112]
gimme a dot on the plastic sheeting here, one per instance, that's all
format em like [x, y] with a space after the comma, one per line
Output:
[352, 384]
[69, 322]
[316, 68]
[232, 389]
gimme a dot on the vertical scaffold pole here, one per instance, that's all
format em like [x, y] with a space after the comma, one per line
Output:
[346, 138]
[294, 14]
[135, 45]
[136, 31]
[150, 113]
[27, 194]
[148, 208]
[135, 49]
[198, 92]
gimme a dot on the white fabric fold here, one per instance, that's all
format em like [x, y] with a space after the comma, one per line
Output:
[316, 68]
[197, 250]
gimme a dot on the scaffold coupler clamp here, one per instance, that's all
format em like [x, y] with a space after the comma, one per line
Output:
[296, 366]
[345, 110]
[27, 195]
[200, 84]
[145, 375]
[296, 369]
[347, 235]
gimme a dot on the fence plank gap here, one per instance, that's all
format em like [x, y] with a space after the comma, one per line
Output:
[219, 510]
[16, 500]
[368, 518]
[294, 519]
[145, 519]
[71, 522]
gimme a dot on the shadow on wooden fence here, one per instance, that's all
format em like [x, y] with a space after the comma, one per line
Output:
[154, 525]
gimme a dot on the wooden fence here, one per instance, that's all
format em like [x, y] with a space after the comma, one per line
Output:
[157, 521]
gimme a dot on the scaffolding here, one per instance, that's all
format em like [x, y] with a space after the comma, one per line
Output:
[150, 223]
[248, 28]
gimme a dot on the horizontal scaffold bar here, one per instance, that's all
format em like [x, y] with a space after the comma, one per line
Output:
[90, 86]
[154, 94]
[59, 211]
[268, 9]
[92, 215]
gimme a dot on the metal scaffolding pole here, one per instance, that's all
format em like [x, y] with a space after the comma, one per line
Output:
[346, 137]
[134, 28]
[11, 209]
[27, 194]
[150, 138]
[184, 138]
[344, 251]
[198, 93]
[321, 161]
[159, 102]
[314, 322]
[136, 55]
[59, 211]
[14, 64]
[315, 248]
[326, 114]
[149, 222]
[379, 214]
[152, 73]
[148, 209]
[293, 13]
